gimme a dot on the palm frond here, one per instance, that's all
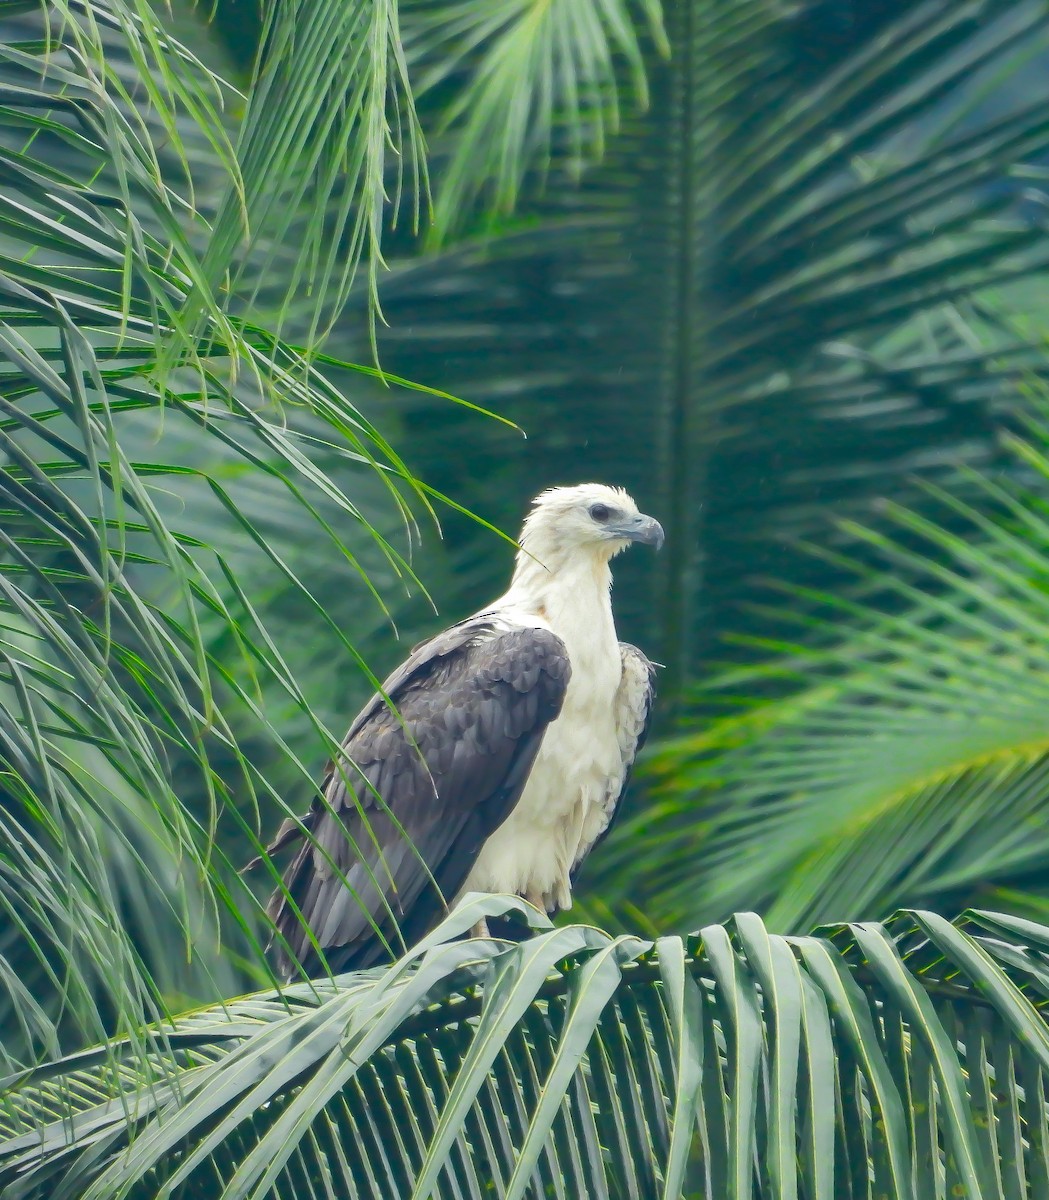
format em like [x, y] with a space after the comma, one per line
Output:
[328, 109]
[328, 145]
[771, 302]
[908, 761]
[909, 1057]
[116, 705]
[521, 84]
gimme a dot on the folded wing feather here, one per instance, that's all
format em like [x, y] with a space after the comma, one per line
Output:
[429, 772]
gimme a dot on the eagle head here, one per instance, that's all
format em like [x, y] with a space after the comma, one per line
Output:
[588, 517]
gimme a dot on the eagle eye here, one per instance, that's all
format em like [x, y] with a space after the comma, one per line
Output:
[600, 512]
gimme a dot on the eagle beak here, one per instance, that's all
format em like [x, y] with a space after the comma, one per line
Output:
[640, 529]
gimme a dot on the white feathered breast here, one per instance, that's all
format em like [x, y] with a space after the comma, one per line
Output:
[578, 774]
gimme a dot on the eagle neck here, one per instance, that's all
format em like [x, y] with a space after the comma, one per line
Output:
[573, 597]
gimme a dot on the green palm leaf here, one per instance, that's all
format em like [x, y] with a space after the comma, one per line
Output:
[909, 760]
[329, 109]
[530, 81]
[910, 1057]
[767, 304]
[123, 725]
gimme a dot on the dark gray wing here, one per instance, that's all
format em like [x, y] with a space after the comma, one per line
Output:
[635, 697]
[421, 789]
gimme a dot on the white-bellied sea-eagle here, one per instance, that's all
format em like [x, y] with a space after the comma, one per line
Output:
[494, 762]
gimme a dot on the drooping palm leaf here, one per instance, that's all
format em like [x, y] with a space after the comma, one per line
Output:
[330, 109]
[909, 1057]
[528, 82]
[328, 103]
[115, 703]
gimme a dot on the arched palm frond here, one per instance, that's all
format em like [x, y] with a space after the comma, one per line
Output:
[909, 1058]
[907, 760]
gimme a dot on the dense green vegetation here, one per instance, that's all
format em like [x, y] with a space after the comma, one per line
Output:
[278, 297]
